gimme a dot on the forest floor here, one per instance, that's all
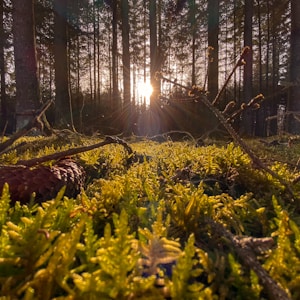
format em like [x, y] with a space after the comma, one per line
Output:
[152, 220]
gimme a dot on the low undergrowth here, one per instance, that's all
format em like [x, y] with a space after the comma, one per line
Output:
[141, 230]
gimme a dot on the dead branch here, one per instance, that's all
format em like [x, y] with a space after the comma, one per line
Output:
[240, 62]
[73, 151]
[245, 248]
[200, 95]
[252, 104]
[4, 130]
[255, 159]
[35, 122]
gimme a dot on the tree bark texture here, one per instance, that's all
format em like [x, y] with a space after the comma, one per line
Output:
[294, 101]
[3, 110]
[153, 51]
[114, 55]
[247, 119]
[27, 85]
[126, 68]
[213, 44]
[62, 93]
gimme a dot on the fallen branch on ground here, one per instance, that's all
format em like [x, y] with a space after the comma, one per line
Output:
[73, 151]
[200, 95]
[245, 248]
[34, 123]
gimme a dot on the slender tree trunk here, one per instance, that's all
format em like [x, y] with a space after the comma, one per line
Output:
[267, 81]
[153, 121]
[213, 44]
[248, 121]
[98, 60]
[90, 67]
[235, 47]
[153, 52]
[63, 109]
[259, 45]
[144, 51]
[27, 85]
[261, 113]
[192, 19]
[126, 67]
[294, 101]
[3, 111]
[115, 93]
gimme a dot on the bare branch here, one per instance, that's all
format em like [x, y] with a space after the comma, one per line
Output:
[35, 122]
[245, 248]
[73, 151]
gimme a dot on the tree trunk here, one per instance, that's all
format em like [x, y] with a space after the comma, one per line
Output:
[247, 118]
[95, 39]
[27, 85]
[63, 113]
[213, 39]
[294, 101]
[115, 92]
[153, 52]
[126, 67]
[152, 121]
[3, 101]
[192, 21]
[261, 113]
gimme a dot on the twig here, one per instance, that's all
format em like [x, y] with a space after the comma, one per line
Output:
[70, 152]
[33, 123]
[167, 135]
[201, 96]
[241, 61]
[253, 103]
[255, 159]
[245, 248]
[4, 130]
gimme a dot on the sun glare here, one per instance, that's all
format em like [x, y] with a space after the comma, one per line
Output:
[144, 89]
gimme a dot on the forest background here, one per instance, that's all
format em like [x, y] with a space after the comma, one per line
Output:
[95, 60]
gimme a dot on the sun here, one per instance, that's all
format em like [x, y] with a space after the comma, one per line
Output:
[144, 89]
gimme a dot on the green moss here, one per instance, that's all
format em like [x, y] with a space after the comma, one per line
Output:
[139, 230]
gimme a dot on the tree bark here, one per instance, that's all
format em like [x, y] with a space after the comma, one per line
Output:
[213, 44]
[27, 85]
[62, 92]
[192, 21]
[153, 52]
[247, 118]
[126, 67]
[3, 101]
[114, 50]
[294, 101]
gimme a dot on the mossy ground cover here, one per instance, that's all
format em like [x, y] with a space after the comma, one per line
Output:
[141, 229]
